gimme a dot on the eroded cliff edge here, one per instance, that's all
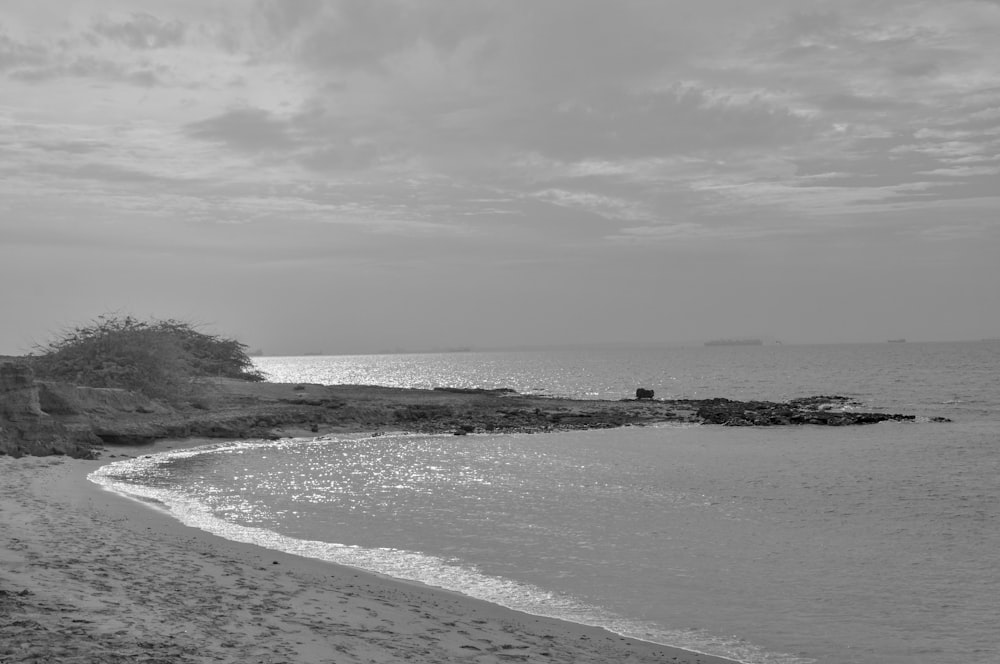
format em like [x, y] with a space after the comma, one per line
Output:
[46, 417]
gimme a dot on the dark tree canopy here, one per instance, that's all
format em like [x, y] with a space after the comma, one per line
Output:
[159, 358]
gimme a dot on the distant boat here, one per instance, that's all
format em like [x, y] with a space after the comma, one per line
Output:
[897, 341]
[734, 342]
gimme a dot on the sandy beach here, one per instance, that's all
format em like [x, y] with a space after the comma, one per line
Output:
[89, 576]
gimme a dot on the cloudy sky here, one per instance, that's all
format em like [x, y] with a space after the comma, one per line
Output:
[360, 175]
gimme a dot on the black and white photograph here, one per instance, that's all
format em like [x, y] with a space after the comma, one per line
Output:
[499, 331]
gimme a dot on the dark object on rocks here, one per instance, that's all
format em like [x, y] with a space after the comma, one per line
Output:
[643, 393]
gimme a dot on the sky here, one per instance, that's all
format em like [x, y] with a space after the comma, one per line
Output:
[352, 176]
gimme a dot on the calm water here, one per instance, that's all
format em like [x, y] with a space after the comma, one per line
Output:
[874, 544]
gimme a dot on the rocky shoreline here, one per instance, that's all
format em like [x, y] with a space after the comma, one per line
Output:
[43, 418]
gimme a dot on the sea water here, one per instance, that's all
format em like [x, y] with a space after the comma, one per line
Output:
[872, 544]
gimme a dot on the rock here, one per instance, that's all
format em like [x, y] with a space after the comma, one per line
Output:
[64, 399]
[18, 392]
[818, 410]
[27, 429]
[476, 390]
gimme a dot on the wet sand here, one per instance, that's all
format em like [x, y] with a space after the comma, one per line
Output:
[89, 576]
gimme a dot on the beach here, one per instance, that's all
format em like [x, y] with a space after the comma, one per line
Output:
[87, 575]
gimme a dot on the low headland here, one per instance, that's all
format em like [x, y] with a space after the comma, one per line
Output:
[87, 575]
[42, 417]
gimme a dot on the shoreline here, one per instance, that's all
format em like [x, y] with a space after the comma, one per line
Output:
[40, 418]
[87, 574]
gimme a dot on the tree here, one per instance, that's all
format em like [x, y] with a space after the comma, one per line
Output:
[162, 359]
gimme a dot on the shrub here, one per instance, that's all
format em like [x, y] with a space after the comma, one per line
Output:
[159, 358]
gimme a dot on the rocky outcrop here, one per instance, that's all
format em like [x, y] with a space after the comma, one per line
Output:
[66, 400]
[41, 417]
[820, 410]
[25, 428]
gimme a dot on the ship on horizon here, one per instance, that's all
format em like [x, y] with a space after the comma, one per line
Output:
[734, 342]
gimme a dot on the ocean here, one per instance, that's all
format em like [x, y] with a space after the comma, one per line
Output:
[874, 544]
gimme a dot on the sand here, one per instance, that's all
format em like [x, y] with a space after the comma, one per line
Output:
[89, 576]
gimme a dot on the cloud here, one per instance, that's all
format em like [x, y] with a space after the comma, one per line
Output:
[850, 102]
[916, 69]
[965, 171]
[141, 31]
[245, 129]
[92, 67]
[14, 54]
[608, 207]
[344, 156]
[359, 33]
[617, 111]
[72, 146]
[666, 232]
[283, 17]
[331, 37]
[297, 139]
[40, 60]
[109, 173]
[679, 120]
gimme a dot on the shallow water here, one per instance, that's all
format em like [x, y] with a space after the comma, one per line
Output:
[864, 544]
